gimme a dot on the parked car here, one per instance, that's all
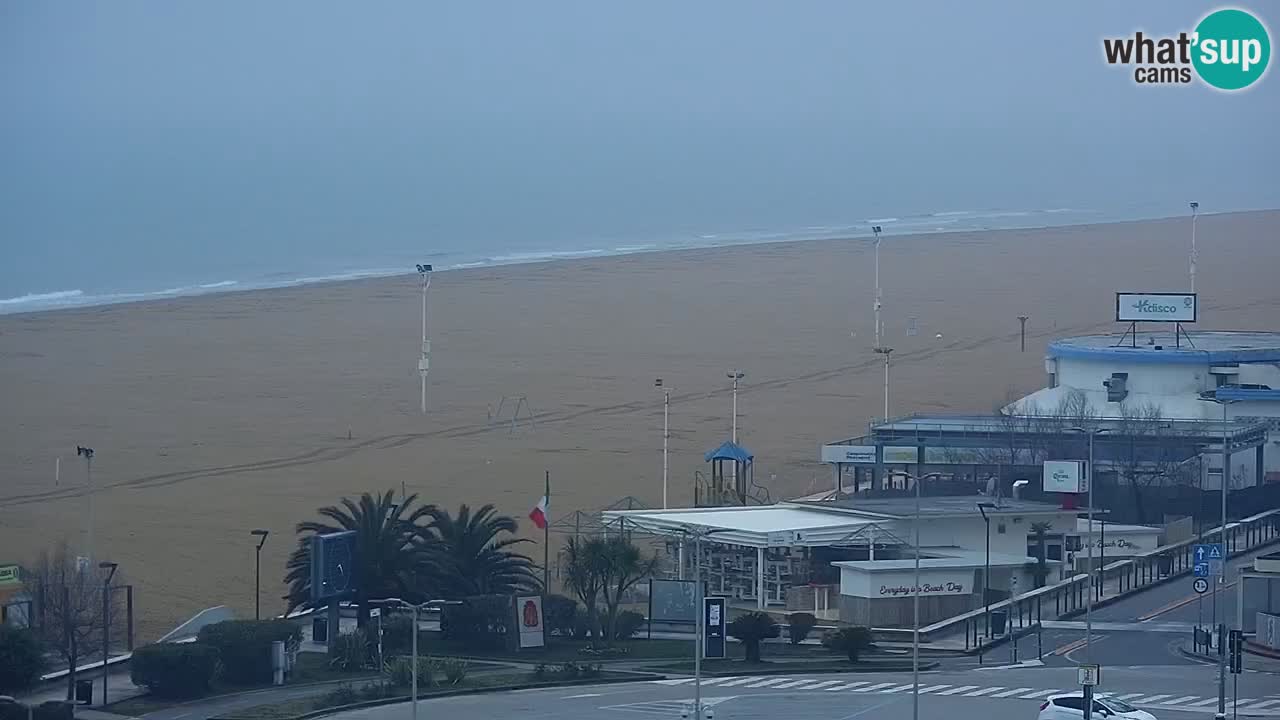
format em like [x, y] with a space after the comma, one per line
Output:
[1070, 706]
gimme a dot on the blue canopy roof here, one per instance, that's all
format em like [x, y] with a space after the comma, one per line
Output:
[730, 451]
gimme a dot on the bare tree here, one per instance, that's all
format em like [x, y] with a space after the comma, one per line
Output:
[69, 606]
[1148, 454]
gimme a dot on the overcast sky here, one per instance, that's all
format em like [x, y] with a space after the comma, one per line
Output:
[141, 136]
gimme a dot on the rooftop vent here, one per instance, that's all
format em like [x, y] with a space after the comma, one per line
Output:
[1117, 387]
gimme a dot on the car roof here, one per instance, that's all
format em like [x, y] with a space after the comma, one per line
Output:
[1068, 695]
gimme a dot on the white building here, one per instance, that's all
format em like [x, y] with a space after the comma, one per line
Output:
[1150, 369]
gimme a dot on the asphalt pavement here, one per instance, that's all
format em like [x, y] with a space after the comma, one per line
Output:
[1002, 693]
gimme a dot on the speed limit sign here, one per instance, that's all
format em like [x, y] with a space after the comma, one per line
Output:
[1201, 585]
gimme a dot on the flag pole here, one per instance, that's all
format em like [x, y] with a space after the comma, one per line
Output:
[546, 541]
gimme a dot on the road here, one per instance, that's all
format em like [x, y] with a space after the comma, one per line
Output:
[996, 694]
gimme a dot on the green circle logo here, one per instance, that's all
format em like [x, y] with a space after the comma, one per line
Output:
[1232, 49]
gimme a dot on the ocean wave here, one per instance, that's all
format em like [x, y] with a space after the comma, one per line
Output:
[877, 221]
[528, 257]
[42, 298]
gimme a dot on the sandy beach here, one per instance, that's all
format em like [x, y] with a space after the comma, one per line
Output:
[215, 415]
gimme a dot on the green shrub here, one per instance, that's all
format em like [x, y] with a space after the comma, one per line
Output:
[54, 710]
[799, 625]
[344, 694]
[560, 615]
[350, 652]
[850, 640]
[751, 629]
[592, 670]
[396, 637]
[20, 659]
[453, 669]
[400, 671]
[540, 670]
[174, 670]
[244, 646]
[626, 624]
[568, 670]
[478, 622]
[375, 690]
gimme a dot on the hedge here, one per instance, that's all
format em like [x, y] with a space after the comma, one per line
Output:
[244, 646]
[20, 659]
[174, 670]
[478, 622]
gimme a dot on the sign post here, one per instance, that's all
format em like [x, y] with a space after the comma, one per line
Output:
[1088, 676]
[716, 622]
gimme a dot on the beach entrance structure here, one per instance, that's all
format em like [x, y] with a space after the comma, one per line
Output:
[732, 474]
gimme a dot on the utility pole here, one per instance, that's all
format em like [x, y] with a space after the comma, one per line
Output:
[666, 435]
[87, 454]
[1023, 319]
[885, 351]
[424, 362]
[876, 229]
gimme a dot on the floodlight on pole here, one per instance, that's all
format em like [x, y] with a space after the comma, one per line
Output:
[876, 229]
[424, 362]
[1194, 253]
[87, 454]
[735, 375]
[257, 572]
[915, 597]
[1212, 396]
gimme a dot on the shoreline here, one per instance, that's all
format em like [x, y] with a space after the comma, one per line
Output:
[540, 258]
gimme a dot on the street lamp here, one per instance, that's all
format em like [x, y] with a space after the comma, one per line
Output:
[735, 375]
[424, 362]
[1194, 253]
[986, 572]
[876, 229]
[397, 602]
[110, 567]
[1088, 605]
[1212, 396]
[666, 434]
[886, 352]
[699, 625]
[257, 572]
[915, 600]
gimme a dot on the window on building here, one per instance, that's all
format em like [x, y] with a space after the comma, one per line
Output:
[1054, 552]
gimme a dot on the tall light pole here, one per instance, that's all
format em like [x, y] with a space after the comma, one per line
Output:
[1212, 396]
[1194, 253]
[87, 454]
[110, 567]
[986, 572]
[735, 375]
[666, 435]
[876, 229]
[397, 602]
[699, 624]
[424, 362]
[885, 351]
[915, 601]
[257, 572]
[1088, 602]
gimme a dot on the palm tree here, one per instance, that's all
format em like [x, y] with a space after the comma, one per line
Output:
[393, 555]
[585, 578]
[477, 547]
[606, 569]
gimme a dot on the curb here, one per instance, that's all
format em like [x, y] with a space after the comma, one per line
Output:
[243, 693]
[469, 691]
[799, 669]
[1213, 659]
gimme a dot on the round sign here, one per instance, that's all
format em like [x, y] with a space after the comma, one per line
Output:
[1201, 585]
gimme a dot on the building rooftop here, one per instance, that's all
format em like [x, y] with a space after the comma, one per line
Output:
[949, 506]
[784, 525]
[1161, 347]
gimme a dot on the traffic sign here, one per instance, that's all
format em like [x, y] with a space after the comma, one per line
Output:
[1201, 585]
[1200, 569]
[1207, 551]
[1088, 674]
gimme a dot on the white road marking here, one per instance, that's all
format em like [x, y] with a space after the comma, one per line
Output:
[1038, 694]
[878, 686]
[1259, 706]
[1007, 693]
[583, 695]
[962, 688]
[739, 681]
[676, 681]
[793, 683]
[1180, 700]
[1152, 699]
[983, 691]
[1210, 701]
[823, 684]
[931, 688]
[899, 688]
[766, 682]
[846, 686]
[1129, 696]
[717, 680]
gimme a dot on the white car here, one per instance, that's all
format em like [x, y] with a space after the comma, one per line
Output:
[1070, 706]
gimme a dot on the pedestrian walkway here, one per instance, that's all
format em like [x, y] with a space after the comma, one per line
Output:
[1257, 706]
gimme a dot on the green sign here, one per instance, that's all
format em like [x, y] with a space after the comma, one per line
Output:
[9, 575]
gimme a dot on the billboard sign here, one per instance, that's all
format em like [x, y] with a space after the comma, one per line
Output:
[9, 575]
[1156, 307]
[855, 454]
[716, 626]
[1065, 476]
[333, 566]
[529, 620]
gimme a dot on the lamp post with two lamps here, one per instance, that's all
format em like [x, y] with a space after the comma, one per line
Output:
[397, 602]
[257, 571]
[915, 596]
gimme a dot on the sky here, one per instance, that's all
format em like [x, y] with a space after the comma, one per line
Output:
[144, 143]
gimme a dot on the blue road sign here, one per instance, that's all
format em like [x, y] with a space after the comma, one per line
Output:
[1200, 569]
[1207, 551]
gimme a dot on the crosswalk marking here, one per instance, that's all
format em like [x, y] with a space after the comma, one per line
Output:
[824, 683]
[899, 688]
[1130, 696]
[1007, 693]
[983, 691]
[962, 688]
[1259, 706]
[931, 688]
[766, 682]
[793, 683]
[1037, 694]
[739, 681]
[1210, 701]
[1180, 700]
[675, 681]
[846, 686]
[878, 686]
[1152, 699]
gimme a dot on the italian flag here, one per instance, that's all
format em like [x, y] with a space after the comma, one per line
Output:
[539, 513]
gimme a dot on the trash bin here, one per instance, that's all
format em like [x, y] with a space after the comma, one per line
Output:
[999, 618]
[320, 629]
[84, 692]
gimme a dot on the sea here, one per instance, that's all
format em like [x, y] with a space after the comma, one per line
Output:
[396, 260]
